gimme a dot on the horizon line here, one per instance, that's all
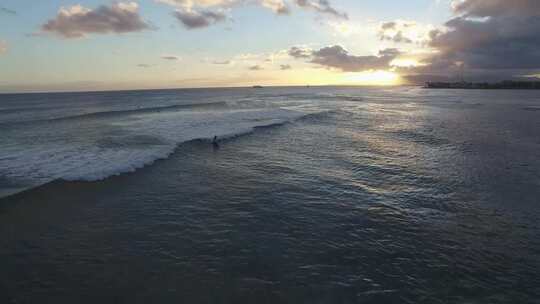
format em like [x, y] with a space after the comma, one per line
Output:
[200, 88]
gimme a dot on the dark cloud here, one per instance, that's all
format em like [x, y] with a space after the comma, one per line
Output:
[144, 65]
[487, 39]
[7, 11]
[497, 8]
[389, 26]
[285, 67]
[323, 7]
[195, 14]
[391, 52]
[339, 58]
[397, 37]
[299, 52]
[193, 19]
[496, 43]
[224, 62]
[170, 57]
[77, 21]
[277, 6]
[255, 68]
[397, 32]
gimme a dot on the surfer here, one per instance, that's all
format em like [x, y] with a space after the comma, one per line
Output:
[215, 143]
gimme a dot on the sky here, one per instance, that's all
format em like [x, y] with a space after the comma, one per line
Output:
[72, 45]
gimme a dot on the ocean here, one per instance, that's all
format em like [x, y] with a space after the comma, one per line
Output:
[314, 195]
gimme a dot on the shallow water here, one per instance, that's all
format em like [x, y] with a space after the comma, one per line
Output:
[327, 195]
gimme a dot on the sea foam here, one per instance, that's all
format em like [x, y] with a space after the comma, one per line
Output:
[101, 146]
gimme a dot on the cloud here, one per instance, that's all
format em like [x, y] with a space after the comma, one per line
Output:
[224, 62]
[202, 13]
[285, 67]
[198, 19]
[3, 47]
[300, 52]
[339, 58]
[496, 8]
[277, 6]
[170, 57]
[7, 11]
[490, 34]
[189, 4]
[321, 6]
[388, 26]
[404, 32]
[398, 37]
[255, 68]
[485, 40]
[144, 65]
[78, 21]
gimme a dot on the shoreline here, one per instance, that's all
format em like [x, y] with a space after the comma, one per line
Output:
[503, 85]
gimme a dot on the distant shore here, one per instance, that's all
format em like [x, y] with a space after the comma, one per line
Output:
[503, 85]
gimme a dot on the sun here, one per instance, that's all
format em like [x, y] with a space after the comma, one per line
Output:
[378, 78]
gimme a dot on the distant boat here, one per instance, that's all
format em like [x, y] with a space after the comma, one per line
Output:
[257, 87]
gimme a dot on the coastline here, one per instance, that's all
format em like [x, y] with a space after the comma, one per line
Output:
[503, 85]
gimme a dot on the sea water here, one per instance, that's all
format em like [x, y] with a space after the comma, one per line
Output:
[315, 195]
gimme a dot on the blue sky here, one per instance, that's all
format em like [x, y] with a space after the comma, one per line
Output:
[251, 38]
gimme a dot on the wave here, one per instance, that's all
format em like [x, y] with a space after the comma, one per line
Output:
[419, 137]
[348, 97]
[320, 115]
[113, 113]
[127, 145]
[336, 97]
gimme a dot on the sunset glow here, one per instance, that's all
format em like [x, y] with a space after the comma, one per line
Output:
[376, 78]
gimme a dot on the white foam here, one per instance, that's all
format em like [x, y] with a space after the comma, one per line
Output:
[79, 151]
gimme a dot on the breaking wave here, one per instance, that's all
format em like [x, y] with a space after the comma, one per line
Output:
[80, 148]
